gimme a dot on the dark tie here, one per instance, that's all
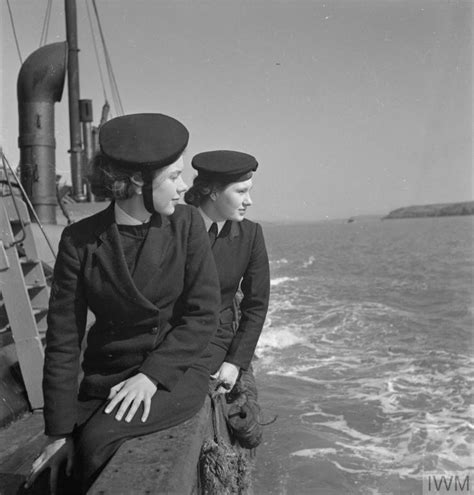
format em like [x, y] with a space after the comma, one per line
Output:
[213, 233]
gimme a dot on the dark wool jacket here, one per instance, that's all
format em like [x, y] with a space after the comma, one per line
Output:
[157, 323]
[241, 259]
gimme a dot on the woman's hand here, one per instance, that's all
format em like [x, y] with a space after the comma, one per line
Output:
[131, 393]
[226, 377]
[55, 452]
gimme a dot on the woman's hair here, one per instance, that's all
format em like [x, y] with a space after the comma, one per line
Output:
[109, 180]
[201, 189]
[203, 186]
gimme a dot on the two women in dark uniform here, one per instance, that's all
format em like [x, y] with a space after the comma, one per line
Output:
[144, 267]
[221, 191]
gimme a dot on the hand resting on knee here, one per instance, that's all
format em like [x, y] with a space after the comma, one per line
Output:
[130, 394]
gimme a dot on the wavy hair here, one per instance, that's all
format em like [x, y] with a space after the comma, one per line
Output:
[109, 180]
[201, 189]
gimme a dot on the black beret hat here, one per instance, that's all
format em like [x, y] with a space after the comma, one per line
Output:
[143, 141]
[230, 166]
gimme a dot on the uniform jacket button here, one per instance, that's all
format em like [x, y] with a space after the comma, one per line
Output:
[154, 330]
[110, 356]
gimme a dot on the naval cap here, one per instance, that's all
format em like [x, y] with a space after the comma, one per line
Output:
[225, 165]
[143, 141]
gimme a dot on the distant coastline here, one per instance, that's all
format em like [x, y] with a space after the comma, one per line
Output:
[415, 211]
[434, 210]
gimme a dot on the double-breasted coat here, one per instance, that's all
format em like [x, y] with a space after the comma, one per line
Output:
[157, 322]
[242, 261]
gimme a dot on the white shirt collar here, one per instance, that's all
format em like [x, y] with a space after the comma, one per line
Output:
[123, 218]
[208, 222]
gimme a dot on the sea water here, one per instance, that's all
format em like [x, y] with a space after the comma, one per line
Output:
[366, 357]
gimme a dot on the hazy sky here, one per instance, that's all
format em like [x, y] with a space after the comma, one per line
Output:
[351, 107]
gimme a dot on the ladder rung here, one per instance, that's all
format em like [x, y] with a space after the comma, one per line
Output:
[40, 314]
[36, 286]
[27, 261]
[5, 328]
[40, 311]
[16, 221]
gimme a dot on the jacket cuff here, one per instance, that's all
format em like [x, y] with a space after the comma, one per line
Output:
[165, 377]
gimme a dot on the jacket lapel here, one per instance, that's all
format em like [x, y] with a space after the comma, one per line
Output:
[234, 231]
[149, 264]
[111, 260]
[229, 232]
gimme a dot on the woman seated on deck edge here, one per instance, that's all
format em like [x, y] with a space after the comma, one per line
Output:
[144, 267]
[221, 191]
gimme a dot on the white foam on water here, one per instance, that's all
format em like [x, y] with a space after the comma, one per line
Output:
[280, 372]
[390, 373]
[424, 421]
[286, 305]
[299, 372]
[347, 469]
[370, 354]
[319, 414]
[312, 453]
[415, 436]
[361, 453]
[279, 338]
[326, 339]
[309, 262]
[282, 280]
[282, 261]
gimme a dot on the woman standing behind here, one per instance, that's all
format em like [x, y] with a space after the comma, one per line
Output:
[143, 266]
[221, 191]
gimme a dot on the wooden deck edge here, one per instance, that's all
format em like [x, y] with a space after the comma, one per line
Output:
[161, 463]
[20, 443]
[165, 462]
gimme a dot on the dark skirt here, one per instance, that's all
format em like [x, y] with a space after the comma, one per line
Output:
[98, 435]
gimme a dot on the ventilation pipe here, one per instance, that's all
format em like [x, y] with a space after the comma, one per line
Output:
[85, 116]
[40, 84]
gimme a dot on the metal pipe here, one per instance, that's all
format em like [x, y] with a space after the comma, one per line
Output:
[85, 111]
[40, 84]
[73, 93]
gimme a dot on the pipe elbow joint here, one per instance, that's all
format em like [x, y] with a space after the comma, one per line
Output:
[42, 75]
